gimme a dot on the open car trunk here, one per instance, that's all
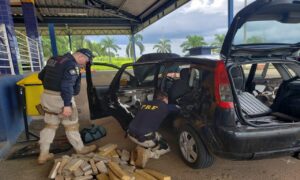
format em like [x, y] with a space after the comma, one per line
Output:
[258, 109]
[255, 35]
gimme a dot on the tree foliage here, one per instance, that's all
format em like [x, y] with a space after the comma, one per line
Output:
[255, 39]
[62, 43]
[163, 46]
[78, 41]
[218, 40]
[192, 41]
[138, 38]
[46, 47]
[110, 46]
[106, 47]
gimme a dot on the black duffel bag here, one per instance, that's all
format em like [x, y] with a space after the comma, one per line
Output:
[287, 99]
[92, 133]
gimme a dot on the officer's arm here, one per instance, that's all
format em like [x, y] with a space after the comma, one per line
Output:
[67, 85]
[42, 74]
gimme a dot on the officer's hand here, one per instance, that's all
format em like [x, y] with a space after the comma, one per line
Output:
[67, 111]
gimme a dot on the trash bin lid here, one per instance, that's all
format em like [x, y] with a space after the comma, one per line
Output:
[31, 79]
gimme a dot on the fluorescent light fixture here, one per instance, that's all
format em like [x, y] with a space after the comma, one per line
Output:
[71, 14]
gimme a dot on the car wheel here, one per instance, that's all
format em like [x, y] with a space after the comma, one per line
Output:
[193, 151]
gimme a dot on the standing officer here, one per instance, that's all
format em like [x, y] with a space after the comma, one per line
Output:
[61, 80]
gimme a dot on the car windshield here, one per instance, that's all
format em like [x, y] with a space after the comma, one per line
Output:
[143, 71]
[260, 32]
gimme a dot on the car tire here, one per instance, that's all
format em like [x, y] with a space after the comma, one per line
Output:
[192, 150]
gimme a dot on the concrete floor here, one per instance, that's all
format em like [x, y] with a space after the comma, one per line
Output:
[274, 169]
[284, 168]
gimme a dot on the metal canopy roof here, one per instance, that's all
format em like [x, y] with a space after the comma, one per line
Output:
[92, 17]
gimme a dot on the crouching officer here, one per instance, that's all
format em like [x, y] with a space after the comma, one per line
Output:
[143, 128]
[61, 80]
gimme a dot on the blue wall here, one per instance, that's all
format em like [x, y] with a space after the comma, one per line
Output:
[11, 116]
[7, 19]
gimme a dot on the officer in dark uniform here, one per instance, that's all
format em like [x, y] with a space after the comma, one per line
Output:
[143, 128]
[61, 80]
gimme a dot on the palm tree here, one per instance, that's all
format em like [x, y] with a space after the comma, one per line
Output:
[109, 45]
[255, 39]
[163, 46]
[46, 43]
[138, 38]
[218, 41]
[61, 42]
[78, 41]
[96, 47]
[192, 41]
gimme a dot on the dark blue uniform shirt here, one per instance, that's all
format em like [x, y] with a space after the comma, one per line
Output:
[150, 116]
[62, 74]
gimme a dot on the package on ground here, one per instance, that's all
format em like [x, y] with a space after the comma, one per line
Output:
[108, 162]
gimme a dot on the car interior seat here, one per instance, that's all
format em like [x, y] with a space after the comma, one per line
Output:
[249, 104]
[180, 86]
[194, 78]
[238, 78]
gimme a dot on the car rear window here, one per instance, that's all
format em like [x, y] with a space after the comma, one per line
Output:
[256, 32]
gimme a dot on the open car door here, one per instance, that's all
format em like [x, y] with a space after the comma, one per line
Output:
[132, 85]
[118, 92]
[99, 77]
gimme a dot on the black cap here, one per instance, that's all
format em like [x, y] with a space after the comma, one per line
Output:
[86, 52]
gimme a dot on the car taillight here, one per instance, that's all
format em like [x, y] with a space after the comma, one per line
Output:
[223, 93]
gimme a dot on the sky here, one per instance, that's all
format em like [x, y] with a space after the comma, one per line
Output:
[198, 17]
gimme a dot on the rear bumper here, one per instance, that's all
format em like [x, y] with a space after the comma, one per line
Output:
[257, 155]
[254, 143]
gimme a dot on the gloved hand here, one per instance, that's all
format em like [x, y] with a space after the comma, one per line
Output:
[67, 111]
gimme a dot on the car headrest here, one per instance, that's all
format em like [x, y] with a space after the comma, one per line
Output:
[194, 78]
[238, 77]
[185, 74]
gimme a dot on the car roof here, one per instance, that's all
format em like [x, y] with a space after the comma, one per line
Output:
[152, 57]
[215, 57]
[198, 60]
[171, 57]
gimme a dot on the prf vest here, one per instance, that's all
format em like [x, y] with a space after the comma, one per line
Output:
[55, 69]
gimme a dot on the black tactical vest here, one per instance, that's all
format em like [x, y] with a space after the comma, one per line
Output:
[55, 71]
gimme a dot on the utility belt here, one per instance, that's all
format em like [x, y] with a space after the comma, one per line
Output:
[146, 137]
[52, 113]
[51, 92]
[42, 111]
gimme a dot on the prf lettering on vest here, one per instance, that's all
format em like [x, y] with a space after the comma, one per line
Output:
[149, 107]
